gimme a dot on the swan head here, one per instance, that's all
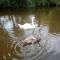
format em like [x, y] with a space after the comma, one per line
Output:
[32, 17]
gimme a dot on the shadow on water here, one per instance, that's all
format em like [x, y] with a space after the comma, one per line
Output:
[11, 35]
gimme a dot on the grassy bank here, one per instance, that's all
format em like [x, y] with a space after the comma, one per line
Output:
[28, 3]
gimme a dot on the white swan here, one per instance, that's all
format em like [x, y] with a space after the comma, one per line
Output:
[28, 25]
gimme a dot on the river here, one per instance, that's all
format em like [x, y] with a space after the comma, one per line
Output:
[11, 34]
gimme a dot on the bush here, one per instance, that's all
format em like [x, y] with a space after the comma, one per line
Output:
[28, 3]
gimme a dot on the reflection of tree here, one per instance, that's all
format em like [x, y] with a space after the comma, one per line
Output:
[7, 25]
[38, 20]
[14, 19]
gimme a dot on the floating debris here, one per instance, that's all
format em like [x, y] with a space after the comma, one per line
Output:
[30, 40]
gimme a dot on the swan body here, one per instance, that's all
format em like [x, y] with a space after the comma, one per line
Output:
[27, 26]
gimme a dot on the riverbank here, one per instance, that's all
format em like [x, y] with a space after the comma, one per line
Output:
[28, 3]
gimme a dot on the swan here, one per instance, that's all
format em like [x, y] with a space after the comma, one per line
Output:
[28, 25]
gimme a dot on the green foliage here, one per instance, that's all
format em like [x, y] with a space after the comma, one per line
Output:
[28, 3]
[31, 3]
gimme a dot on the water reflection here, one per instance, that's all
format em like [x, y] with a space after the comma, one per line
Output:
[7, 25]
[42, 24]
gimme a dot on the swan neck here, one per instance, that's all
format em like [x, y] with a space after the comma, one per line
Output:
[32, 22]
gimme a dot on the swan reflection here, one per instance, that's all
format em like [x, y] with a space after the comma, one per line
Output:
[41, 32]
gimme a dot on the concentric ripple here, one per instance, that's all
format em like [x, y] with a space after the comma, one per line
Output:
[15, 50]
[34, 51]
[29, 52]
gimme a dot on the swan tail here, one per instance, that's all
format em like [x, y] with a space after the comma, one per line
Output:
[20, 25]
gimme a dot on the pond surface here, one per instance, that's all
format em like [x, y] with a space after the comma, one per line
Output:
[11, 34]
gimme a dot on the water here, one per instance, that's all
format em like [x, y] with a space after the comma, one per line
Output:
[11, 34]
